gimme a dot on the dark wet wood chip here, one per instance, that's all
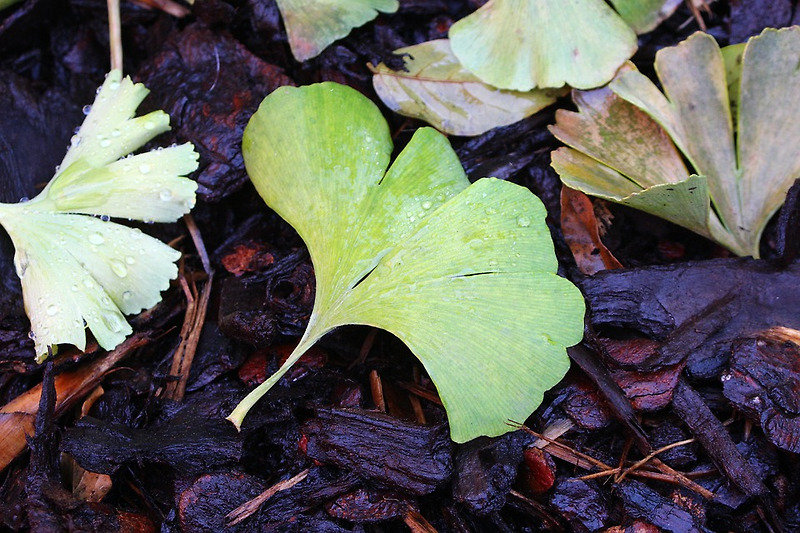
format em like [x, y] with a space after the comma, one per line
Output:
[749, 17]
[376, 446]
[716, 440]
[580, 503]
[368, 505]
[655, 300]
[203, 505]
[210, 85]
[788, 245]
[643, 503]
[485, 470]
[764, 381]
[188, 442]
[618, 403]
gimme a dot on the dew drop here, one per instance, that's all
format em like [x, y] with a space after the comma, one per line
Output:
[105, 218]
[492, 263]
[52, 310]
[144, 168]
[114, 85]
[116, 133]
[149, 125]
[89, 284]
[74, 288]
[165, 195]
[32, 335]
[426, 205]
[87, 109]
[75, 140]
[119, 269]
[523, 222]
[112, 322]
[130, 260]
[127, 295]
[96, 238]
[105, 143]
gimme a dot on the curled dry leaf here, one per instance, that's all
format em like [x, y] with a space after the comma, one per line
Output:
[436, 88]
[582, 233]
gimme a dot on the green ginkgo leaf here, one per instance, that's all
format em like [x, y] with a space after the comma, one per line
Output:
[78, 270]
[731, 113]
[525, 44]
[435, 87]
[312, 25]
[463, 274]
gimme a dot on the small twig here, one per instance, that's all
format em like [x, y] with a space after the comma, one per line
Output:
[668, 474]
[369, 340]
[377, 391]
[417, 523]
[696, 13]
[115, 34]
[421, 391]
[190, 337]
[647, 459]
[197, 239]
[194, 320]
[167, 6]
[250, 507]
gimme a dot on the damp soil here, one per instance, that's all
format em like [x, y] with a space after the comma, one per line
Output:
[690, 358]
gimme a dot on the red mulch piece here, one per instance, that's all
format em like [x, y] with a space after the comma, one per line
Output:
[247, 257]
[256, 369]
[539, 472]
[647, 391]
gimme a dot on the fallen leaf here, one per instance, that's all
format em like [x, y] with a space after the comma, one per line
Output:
[464, 275]
[523, 44]
[731, 113]
[434, 87]
[582, 233]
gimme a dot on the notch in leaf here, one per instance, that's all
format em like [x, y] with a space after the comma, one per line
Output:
[732, 113]
[463, 274]
[78, 270]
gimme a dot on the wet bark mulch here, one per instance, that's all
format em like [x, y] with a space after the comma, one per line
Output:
[681, 411]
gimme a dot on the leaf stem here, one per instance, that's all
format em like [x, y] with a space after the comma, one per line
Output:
[237, 415]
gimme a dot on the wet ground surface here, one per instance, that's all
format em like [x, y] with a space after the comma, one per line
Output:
[681, 343]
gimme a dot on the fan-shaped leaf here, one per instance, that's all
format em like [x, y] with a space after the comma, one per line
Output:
[463, 274]
[312, 25]
[436, 88]
[78, 270]
[523, 44]
[731, 113]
